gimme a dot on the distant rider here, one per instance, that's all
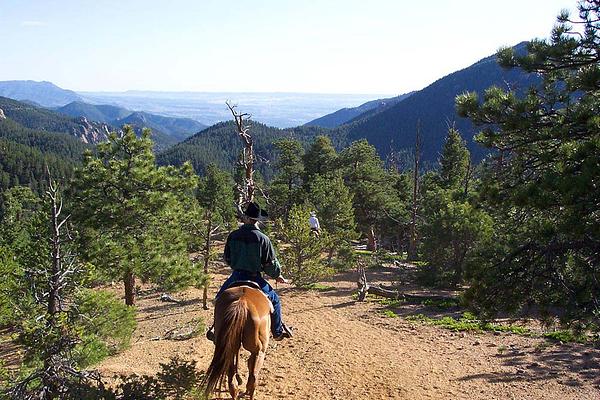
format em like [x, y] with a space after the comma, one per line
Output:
[249, 252]
[313, 221]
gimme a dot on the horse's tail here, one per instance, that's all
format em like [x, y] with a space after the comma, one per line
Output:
[227, 343]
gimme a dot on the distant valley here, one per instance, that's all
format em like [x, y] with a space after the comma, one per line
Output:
[281, 110]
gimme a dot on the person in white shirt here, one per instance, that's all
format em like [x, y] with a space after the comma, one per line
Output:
[315, 227]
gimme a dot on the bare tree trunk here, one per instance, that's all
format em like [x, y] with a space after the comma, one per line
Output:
[59, 274]
[412, 240]
[53, 293]
[243, 130]
[54, 285]
[468, 177]
[372, 242]
[129, 281]
[206, 258]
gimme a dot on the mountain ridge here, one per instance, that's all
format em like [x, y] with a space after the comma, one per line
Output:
[433, 110]
[347, 114]
[44, 93]
[171, 130]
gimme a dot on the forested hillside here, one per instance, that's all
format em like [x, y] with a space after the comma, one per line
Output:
[432, 111]
[220, 145]
[177, 128]
[95, 112]
[34, 139]
[22, 165]
[344, 115]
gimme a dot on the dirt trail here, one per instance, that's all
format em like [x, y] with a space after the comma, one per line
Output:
[348, 350]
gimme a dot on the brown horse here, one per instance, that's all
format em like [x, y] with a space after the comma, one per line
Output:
[242, 318]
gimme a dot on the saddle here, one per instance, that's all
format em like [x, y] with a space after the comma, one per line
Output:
[251, 284]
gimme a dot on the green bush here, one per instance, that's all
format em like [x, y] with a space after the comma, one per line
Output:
[177, 380]
[345, 259]
[302, 255]
[10, 272]
[566, 336]
[104, 324]
[469, 322]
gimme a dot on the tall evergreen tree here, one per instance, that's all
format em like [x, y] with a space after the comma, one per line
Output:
[131, 212]
[285, 188]
[320, 159]
[302, 255]
[454, 160]
[215, 195]
[545, 177]
[61, 326]
[369, 184]
[332, 201]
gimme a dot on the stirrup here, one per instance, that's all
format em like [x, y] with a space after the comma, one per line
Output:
[210, 334]
[285, 334]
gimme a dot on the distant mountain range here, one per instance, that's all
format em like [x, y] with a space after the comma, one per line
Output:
[281, 110]
[85, 129]
[175, 129]
[45, 94]
[167, 130]
[345, 115]
[390, 124]
[40, 119]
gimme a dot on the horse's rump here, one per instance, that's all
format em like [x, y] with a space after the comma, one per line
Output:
[242, 317]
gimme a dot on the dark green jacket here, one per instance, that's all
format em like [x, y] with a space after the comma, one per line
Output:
[248, 249]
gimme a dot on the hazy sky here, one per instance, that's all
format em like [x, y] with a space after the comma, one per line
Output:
[326, 46]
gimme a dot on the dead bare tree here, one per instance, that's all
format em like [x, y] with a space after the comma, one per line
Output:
[59, 271]
[412, 239]
[50, 284]
[247, 189]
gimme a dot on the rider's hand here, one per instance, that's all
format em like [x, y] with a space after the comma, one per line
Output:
[281, 279]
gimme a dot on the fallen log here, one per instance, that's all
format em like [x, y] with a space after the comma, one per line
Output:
[389, 293]
[379, 291]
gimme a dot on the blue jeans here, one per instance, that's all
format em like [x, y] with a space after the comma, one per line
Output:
[239, 275]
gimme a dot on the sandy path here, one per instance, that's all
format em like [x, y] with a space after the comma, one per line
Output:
[348, 350]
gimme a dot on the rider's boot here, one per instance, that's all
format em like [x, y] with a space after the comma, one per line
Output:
[286, 333]
[210, 334]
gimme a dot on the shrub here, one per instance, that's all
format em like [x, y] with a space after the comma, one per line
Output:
[302, 254]
[104, 324]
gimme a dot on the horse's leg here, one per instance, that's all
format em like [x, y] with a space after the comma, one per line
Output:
[238, 378]
[251, 385]
[233, 389]
[255, 363]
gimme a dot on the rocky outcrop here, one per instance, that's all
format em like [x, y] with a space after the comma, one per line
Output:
[91, 132]
[2, 116]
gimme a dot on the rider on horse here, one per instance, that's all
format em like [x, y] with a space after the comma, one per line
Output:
[249, 252]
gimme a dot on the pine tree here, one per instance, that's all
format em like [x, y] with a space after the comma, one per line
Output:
[215, 196]
[544, 178]
[131, 213]
[284, 191]
[453, 230]
[302, 255]
[62, 327]
[454, 161]
[369, 184]
[320, 159]
[331, 199]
